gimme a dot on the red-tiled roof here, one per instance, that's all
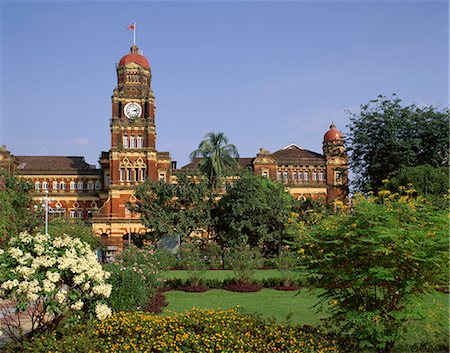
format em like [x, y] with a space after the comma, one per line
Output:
[61, 164]
[243, 162]
[294, 154]
[134, 58]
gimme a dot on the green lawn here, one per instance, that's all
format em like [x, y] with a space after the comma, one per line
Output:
[269, 303]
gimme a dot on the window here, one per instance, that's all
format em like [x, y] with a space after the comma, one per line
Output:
[300, 176]
[122, 174]
[306, 176]
[321, 176]
[265, 174]
[125, 141]
[128, 174]
[142, 174]
[55, 185]
[72, 214]
[72, 185]
[44, 185]
[90, 185]
[338, 177]
[107, 179]
[315, 176]
[132, 142]
[97, 185]
[37, 185]
[80, 185]
[80, 213]
[162, 176]
[294, 176]
[280, 175]
[136, 174]
[62, 185]
[140, 142]
[286, 175]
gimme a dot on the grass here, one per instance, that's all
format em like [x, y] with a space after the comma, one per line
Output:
[220, 274]
[268, 303]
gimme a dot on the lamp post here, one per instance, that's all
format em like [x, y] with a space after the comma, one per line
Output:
[45, 206]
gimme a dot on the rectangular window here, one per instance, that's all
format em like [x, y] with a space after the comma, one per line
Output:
[62, 185]
[125, 141]
[72, 214]
[55, 185]
[140, 141]
[80, 185]
[132, 142]
[142, 174]
[279, 175]
[122, 174]
[37, 185]
[306, 176]
[136, 174]
[128, 174]
[107, 179]
[286, 175]
[294, 176]
[321, 176]
[265, 174]
[72, 185]
[162, 177]
[80, 213]
[315, 176]
[300, 176]
[97, 185]
[90, 186]
[44, 185]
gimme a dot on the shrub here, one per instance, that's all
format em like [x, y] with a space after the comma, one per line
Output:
[134, 277]
[373, 261]
[50, 278]
[193, 261]
[245, 261]
[286, 263]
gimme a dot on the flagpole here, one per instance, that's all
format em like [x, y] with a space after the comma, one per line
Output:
[134, 34]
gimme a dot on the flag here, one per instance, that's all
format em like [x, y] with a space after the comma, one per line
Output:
[131, 26]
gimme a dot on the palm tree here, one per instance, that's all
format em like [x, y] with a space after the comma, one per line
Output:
[216, 156]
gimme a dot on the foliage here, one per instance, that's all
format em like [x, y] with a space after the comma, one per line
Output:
[194, 331]
[15, 200]
[217, 156]
[245, 261]
[286, 263]
[386, 136]
[50, 278]
[253, 211]
[213, 254]
[134, 278]
[170, 209]
[76, 229]
[374, 260]
[193, 261]
[310, 211]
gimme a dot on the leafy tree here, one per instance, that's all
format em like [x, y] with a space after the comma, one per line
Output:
[253, 211]
[170, 209]
[386, 136]
[373, 262]
[217, 155]
[15, 201]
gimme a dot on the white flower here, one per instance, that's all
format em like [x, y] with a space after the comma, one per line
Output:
[25, 237]
[102, 289]
[15, 253]
[77, 306]
[10, 284]
[32, 297]
[40, 238]
[1, 251]
[102, 311]
[86, 286]
[53, 276]
[25, 271]
[60, 296]
[78, 279]
[47, 285]
[39, 249]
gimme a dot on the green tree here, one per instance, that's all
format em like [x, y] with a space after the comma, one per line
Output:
[217, 156]
[171, 209]
[386, 136]
[373, 262]
[15, 201]
[253, 211]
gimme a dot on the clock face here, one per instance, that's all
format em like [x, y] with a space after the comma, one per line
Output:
[132, 110]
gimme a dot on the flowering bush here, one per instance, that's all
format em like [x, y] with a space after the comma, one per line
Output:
[134, 277]
[47, 278]
[193, 331]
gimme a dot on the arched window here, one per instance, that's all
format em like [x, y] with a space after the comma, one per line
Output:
[37, 185]
[125, 141]
[321, 176]
[315, 175]
[44, 185]
[62, 185]
[306, 176]
[55, 185]
[140, 142]
[132, 141]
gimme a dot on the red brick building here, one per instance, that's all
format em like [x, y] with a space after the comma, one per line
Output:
[80, 190]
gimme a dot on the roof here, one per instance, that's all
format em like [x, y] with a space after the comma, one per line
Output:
[292, 154]
[134, 57]
[243, 163]
[54, 164]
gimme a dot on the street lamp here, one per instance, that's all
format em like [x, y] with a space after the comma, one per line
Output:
[46, 207]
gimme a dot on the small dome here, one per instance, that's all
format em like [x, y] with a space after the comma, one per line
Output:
[333, 134]
[134, 57]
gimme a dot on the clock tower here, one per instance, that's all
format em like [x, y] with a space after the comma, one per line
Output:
[133, 157]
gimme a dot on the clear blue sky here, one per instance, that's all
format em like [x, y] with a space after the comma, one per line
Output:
[267, 74]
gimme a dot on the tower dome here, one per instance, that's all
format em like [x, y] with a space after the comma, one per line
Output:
[333, 134]
[134, 57]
